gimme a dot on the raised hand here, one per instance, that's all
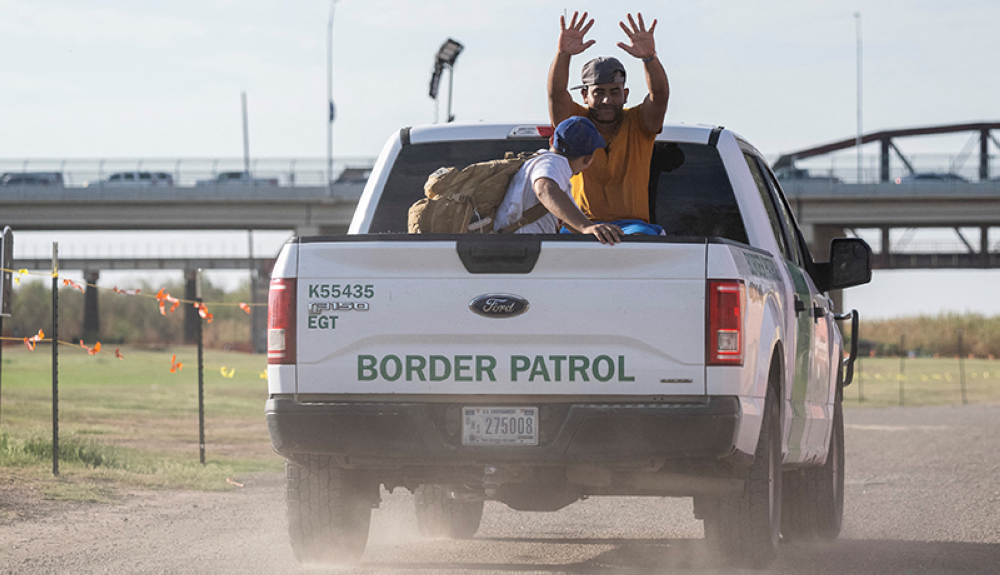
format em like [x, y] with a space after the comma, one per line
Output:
[571, 38]
[643, 45]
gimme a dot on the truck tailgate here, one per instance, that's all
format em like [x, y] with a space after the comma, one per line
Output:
[396, 317]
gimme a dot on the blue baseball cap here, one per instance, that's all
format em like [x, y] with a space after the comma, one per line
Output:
[577, 136]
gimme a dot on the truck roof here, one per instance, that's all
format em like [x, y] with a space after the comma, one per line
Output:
[694, 133]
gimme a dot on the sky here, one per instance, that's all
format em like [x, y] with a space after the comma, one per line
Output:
[145, 79]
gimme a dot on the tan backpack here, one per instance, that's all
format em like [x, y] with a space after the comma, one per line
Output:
[466, 201]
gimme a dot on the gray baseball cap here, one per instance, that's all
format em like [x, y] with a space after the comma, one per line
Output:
[602, 71]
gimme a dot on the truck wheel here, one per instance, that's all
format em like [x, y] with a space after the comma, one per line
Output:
[813, 506]
[440, 516]
[745, 526]
[328, 512]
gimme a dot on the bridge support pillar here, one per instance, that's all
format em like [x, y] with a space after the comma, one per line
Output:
[984, 246]
[191, 318]
[91, 318]
[886, 249]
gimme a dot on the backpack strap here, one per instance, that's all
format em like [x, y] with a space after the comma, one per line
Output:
[529, 216]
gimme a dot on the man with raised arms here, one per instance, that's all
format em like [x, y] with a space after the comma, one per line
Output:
[615, 187]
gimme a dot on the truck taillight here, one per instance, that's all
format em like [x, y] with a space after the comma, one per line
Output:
[724, 338]
[281, 321]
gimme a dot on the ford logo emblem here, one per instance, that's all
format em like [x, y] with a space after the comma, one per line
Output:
[499, 305]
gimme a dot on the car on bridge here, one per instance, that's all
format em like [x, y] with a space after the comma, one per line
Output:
[237, 178]
[134, 179]
[931, 177]
[791, 173]
[354, 175]
[31, 179]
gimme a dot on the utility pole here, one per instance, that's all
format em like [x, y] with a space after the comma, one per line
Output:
[857, 18]
[246, 136]
[329, 99]
[451, 85]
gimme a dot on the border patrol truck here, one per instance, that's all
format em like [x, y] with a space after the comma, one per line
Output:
[538, 370]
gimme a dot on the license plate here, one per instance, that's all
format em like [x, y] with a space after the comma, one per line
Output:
[499, 426]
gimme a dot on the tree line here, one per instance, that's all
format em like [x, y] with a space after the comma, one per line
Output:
[129, 319]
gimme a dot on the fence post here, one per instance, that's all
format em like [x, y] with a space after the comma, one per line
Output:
[55, 358]
[6, 291]
[201, 371]
[961, 365]
[902, 370]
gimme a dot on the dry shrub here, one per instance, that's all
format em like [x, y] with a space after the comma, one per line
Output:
[929, 335]
[128, 318]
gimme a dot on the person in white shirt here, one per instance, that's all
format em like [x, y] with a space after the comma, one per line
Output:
[545, 179]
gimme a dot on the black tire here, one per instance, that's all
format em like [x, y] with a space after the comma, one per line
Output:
[745, 526]
[440, 516]
[813, 506]
[328, 512]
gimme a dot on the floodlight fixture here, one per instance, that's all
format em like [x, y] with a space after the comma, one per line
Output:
[449, 52]
[446, 57]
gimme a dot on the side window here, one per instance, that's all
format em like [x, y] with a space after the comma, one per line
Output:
[784, 215]
[794, 234]
[765, 197]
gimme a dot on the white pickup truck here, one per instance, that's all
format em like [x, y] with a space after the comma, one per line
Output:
[538, 370]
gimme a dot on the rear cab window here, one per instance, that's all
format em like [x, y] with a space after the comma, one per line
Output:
[416, 162]
[690, 192]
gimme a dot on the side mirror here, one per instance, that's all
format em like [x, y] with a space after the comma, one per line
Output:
[850, 262]
[850, 265]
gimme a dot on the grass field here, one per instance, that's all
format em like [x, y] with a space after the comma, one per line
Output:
[133, 422]
[924, 381]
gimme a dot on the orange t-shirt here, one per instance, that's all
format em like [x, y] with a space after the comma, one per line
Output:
[616, 185]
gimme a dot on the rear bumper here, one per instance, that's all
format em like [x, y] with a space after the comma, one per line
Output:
[396, 434]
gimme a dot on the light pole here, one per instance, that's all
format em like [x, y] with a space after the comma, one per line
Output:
[246, 136]
[446, 57]
[857, 18]
[329, 99]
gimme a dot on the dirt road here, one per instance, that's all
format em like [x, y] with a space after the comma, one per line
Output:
[923, 496]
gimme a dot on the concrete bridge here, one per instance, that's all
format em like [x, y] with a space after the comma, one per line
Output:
[824, 209]
[309, 210]
[827, 210]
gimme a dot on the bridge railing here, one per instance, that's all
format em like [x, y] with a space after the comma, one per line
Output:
[292, 172]
[312, 171]
[843, 167]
